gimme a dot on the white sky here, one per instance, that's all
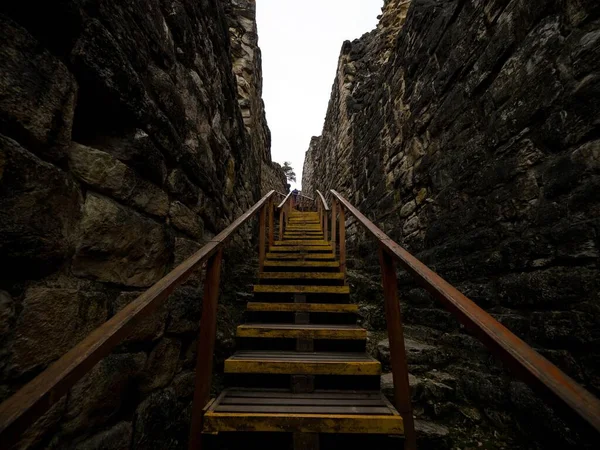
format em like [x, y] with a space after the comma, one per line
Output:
[301, 42]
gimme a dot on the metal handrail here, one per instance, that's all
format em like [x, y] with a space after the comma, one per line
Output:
[533, 368]
[36, 397]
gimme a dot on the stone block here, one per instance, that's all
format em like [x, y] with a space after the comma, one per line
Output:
[52, 321]
[184, 219]
[103, 391]
[118, 245]
[110, 176]
[117, 437]
[34, 239]
[161, 365]
[38, 93]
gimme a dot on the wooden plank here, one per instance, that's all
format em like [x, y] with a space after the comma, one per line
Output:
[300, 248]
[300, 409]
[287, 243]
[206, 347]
[285, 393]
[301, 256]
[315, 264]
[307, 307]
[285, 355]
[313, 423]
[37, 396]
[304, 331]
[301, 275]
[320, 367]
[288, 289]
[529, 365]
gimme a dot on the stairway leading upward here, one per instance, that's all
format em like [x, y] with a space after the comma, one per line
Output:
[301, 367]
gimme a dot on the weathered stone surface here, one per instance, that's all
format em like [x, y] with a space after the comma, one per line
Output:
[51, 322]
[118, 245]
[117, 438]
[7, 312]
[34, 239]
[160, 423]
[144, 99]
[162, 364]
[112, 177]
[184, 219]
[99, 395]
[43, 426]
[38, 94]
[185, 306]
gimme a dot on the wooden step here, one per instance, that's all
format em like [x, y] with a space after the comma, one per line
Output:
[303, 307]
[315, 264]
[301, 256]
[270, 410]
[288, 289]
[293, 331]
[300, 248]
[337, 276]
[316, 242]
[313, 363]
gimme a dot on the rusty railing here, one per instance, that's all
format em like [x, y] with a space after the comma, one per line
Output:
[21, 410]
[539, 373]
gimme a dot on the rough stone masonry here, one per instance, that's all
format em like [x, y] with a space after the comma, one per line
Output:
[130, 134]
[469, 131]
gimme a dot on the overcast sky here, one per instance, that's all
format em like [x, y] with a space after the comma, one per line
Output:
[300, 43]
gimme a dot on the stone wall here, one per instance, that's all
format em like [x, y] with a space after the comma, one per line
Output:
[124, 146]
[470, 136]
[247, 66]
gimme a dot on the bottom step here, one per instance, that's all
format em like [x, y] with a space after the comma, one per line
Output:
[317, 412]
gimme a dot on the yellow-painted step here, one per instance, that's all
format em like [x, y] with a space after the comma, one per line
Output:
[292, 331]
[285, 289]
[316, 264]
[301, 276]
[289, 363]
[301, 256]
[303, 307]
[319, 242]
[301, 248]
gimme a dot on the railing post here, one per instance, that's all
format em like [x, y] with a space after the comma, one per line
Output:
[206, 345]
[320, 210]
[281, 223]
[399, 364]
[325, 223]
[261, 237]
[342, 219]
[271, 223]
[333, 219]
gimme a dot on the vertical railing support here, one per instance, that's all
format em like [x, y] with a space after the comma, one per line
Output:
[262, 218]
[342, 225]
[333, 219]
[206, 345]
[397, 350]
[325, 223]
[271, 223]
[281, 223]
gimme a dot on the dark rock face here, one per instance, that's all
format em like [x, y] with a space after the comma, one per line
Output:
[469, 134]
[130, 134]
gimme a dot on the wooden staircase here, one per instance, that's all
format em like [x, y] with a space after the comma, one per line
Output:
[301, 366]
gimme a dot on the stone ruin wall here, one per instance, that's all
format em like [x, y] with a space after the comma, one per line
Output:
[470, 135]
